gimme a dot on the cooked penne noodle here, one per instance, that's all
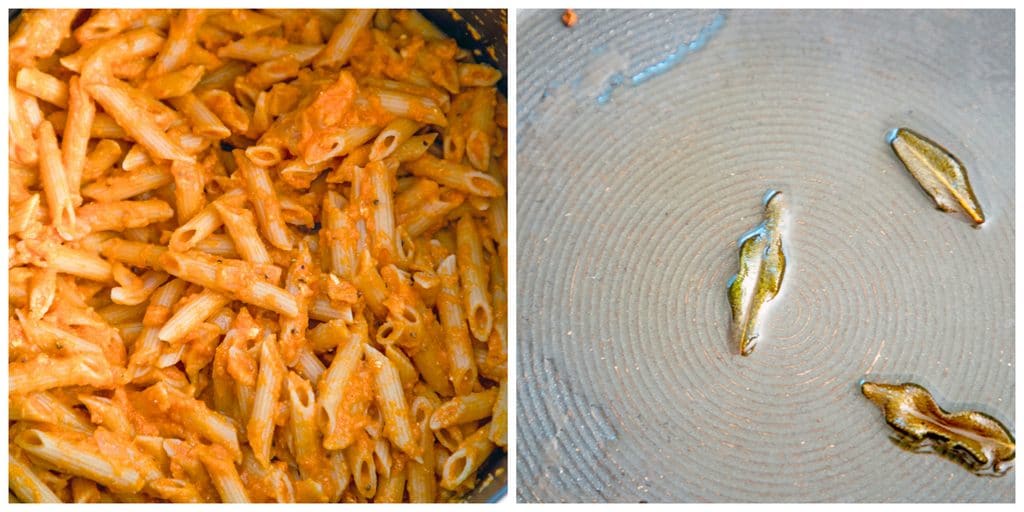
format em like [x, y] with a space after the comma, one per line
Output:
[224, 106]
[25, 216]
[460, 350]
[265, 75]
[39, 34]
[196, 415]
[458, 176]
[298, 282]
[472, 74]
[310, 366]
[128, 185]
[480, 127]
[79, 455]
[244, 21]
[322, 309]
[392, 489]
[43, 86]
[336, 143]
[260, 428]
[218, 245]
[414, 147]
[309, 453]
[44, 407]
[105, 24]
[224, 475]
[359, 458]
[265, 202]
[21, 138]
[370, 283]
[99, 62]
[463, 462]
[433, 365]
[204, 223]
[135, 295]
[392, 136]
[454, 141]
[258, 49]
[339, 48]
[376, 207]
[103, 126]
[122, 215]
[391, 401]
[174, 83]
[38, 375]
[118, 102]
[340, 236]
[233, 277]
[497, 223]
[80, 263]
[55, 182]
[463, 409]
[473, 277]
[332, 385]
[407, 372]
[193, 313]
[180, 40]
[135, 158]
[498, 433]
[417, 108]
[25, 483]
[241, 225]
[440, 97]
[189, 182]
[136, 254]
[298, 174]
[204, 122]
[418, 193]
[415, 23]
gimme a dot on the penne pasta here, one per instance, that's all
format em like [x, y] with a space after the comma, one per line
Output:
[255, 255]
[473, 278]
[391, 402]
[265, 202]
[464, 409]
[458, 176]
[463, 463]
[80, 455]
[260, 428]
[235, 278]
[241, 225]
[26, 484]
[190, 315]
[339, 48]
[55, 182]
[43, 86]
[463, 370]
[117, 101]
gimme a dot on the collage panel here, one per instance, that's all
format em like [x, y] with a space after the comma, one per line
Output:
[257, 255]
[260, 254]
[733, 281]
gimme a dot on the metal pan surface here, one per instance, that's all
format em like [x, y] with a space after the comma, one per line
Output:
[629, 208]
[484, 32]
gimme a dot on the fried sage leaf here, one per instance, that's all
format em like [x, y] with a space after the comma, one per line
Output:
[762, 266]
[941, 174]
[976, 440]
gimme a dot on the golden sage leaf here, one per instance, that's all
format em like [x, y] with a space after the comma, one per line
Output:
[941, 174]
[762, 266]
[978, 441]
